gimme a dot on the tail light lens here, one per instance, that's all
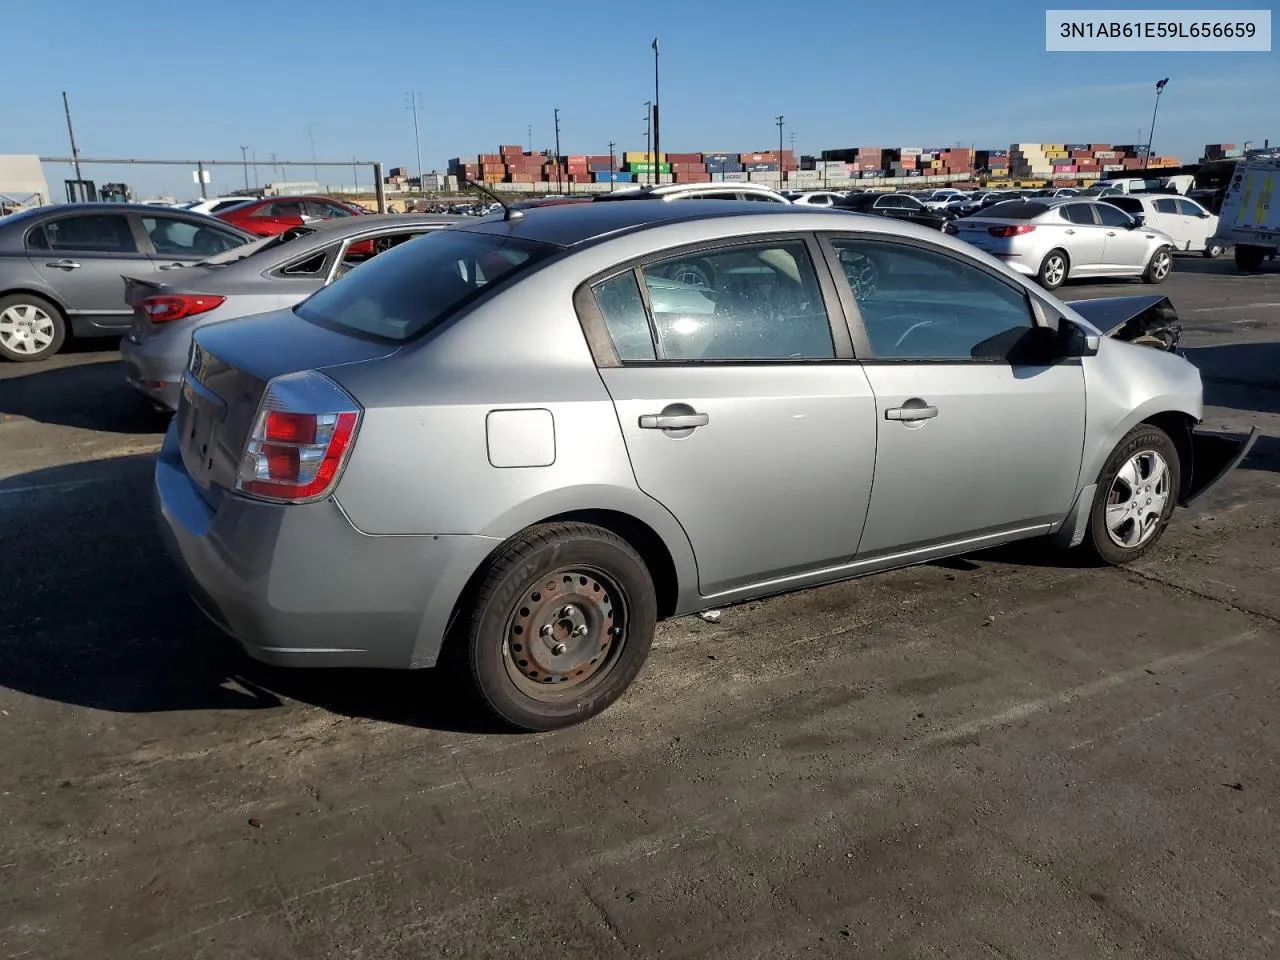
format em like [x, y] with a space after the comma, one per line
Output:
[1014, 230]
[302, 437]
[175, 306]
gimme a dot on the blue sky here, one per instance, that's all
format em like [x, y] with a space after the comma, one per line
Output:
[163, 78]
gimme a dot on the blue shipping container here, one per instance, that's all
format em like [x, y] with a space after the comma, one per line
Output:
[609, 177]
[762, 167]
[723, 166]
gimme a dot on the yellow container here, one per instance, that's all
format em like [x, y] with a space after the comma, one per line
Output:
[639, 156]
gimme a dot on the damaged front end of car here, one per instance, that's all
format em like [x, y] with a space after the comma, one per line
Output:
[1148, 320]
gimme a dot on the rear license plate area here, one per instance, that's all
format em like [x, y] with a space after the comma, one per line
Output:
[198, 417]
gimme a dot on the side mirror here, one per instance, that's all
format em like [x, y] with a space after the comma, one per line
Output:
[1138, 220]
[1075, 340]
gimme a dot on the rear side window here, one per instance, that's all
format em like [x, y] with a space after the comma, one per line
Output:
[1081, 213]
[1016, 210]
[412, 288]
[1128, 204]
[622, 309]
[86, 233]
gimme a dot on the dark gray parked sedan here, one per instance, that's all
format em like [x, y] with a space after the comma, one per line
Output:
[61, 267]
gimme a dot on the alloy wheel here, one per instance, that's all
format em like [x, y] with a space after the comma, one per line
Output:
[1136, 499]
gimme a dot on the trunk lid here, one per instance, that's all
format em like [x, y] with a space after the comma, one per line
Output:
[228, 371]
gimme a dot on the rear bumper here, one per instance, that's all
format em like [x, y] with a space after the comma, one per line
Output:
[299, 586]
[155, 375]
[1213, 457]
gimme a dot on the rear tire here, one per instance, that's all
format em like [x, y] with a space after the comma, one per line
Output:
[1213, 251]
[31, 328]
[1137, 491]
[559, 626]
[1159, 266]
[1249, 259]
[1054, 270]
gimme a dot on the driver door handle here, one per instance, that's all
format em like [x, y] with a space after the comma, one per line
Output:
[1068, 232]
[64, 264]
[660, 421]
[1111, 233]
[911, 413]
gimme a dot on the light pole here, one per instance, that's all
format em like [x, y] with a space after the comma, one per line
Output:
[1151, 135]
[414, 101]
[311, 135]
[648, 133]
[244, 162]
[779, 120]
[559, 188]
[657, 143]
[613, 179]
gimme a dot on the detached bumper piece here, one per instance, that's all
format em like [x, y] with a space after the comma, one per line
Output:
[1214, 456]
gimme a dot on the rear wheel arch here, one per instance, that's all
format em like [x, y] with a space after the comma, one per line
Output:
[48, 295]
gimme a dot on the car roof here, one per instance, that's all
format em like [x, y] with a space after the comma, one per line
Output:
[577, 224]
[373, 220]
[150, 209]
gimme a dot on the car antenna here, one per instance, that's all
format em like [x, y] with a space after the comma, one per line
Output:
[508, 213]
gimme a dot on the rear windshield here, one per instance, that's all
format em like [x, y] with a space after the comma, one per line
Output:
[1015, 210]
[413, 287]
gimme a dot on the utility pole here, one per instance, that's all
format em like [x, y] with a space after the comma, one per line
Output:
[75, 154]
[275, 168]
[657, 142]
[779, 120]
[255, 169]
[355, 175]
[559, 186]
[648, 136]
[244, 162]
[613, 168]
[531, 138]
[415, 100]
[1151, 136]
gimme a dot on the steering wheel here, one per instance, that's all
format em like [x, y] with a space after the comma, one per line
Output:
[862, 273]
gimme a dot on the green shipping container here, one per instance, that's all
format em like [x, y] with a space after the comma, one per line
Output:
[648, 167]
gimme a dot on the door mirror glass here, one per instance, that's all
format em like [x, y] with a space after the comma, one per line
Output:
[1075, 341]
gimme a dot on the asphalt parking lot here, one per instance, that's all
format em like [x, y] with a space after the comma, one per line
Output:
[1010, 755]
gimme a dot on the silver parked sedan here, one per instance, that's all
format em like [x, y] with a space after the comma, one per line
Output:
[266, 275]
[515, 445]
[1053, 239]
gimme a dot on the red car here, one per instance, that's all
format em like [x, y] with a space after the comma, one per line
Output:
[272, 215]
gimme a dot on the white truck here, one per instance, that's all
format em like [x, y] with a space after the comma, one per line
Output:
[1250, 216]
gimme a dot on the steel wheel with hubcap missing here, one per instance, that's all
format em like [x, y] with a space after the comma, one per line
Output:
[1053, 270]
[566, 634]
[559, 625]
[1136, 493]
[1159, 267]
[1213, 250]
[30, 328]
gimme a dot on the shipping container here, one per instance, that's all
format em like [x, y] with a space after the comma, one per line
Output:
[736, 177]
[674, 158]
[639, 156]
[763, 176]
[511, 148]
[605, 167]
[761, 167]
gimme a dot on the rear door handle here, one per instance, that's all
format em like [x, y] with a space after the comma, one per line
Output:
[911, 413]
[1111, 233]
[1068, 232]
[64, 264]
[684, 421]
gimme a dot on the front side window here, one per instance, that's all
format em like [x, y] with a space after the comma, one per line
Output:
[920, 304]
[86, 233]
[1189, 208]
[1111, 216]
[416, 286]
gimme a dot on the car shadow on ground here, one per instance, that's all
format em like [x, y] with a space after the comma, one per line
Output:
[106, 622]
[1241, 376]
[90, 395]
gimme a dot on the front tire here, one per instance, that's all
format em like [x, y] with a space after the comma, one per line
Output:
[31, 328]
[1159, 266]
[560, 625]
[1213, 251]
[1053, 270]
[1137, 491]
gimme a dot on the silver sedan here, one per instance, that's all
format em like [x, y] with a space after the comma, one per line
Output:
[1053, 239]
[510, 448]
[266, 275]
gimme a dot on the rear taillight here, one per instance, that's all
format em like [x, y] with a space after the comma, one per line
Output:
[175, 306]
[1016, 230]
[302, 436]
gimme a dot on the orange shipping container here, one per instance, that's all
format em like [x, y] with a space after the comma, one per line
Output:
[511, 148]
